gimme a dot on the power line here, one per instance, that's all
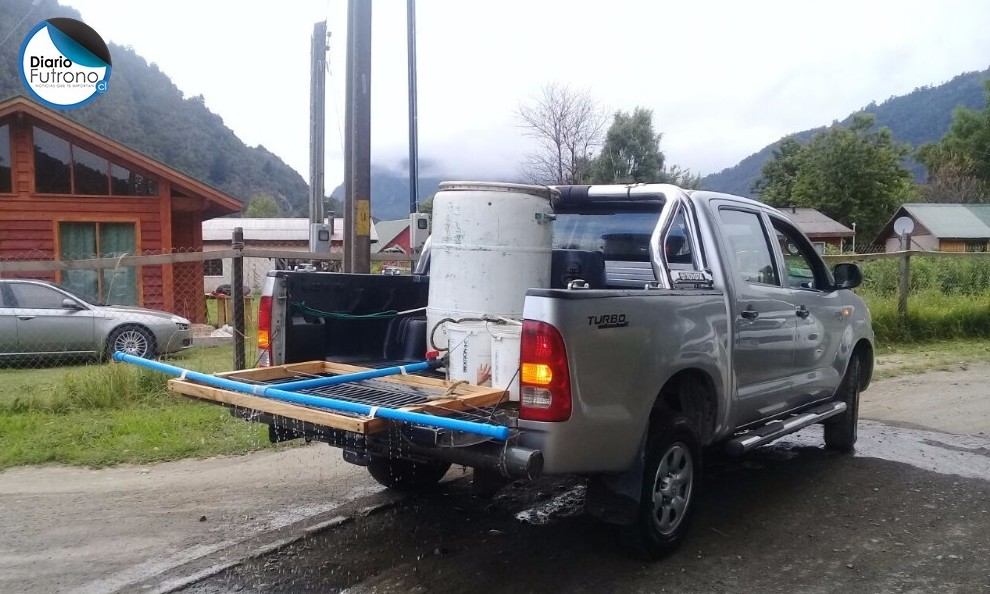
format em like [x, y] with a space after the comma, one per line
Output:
[34, 5]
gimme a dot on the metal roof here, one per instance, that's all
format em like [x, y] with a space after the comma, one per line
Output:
[956, 221]
[387, 231]
[815, 224]
[278, 229]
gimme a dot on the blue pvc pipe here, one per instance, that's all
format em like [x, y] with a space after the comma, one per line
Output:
[499, 432]
[319, 382]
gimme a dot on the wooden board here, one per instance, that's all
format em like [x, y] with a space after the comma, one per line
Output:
[462, 396]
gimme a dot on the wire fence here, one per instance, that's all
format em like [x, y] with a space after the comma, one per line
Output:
[80, 307]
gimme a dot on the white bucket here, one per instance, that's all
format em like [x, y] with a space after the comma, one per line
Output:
[505, 358]
[470, 349]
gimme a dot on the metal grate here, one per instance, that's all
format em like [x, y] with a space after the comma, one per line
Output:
[370, 392]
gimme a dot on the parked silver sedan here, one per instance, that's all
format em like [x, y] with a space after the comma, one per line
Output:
[41, 319]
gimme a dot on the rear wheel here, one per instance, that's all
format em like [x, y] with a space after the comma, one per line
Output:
[840, 430]
[404, 475]
[670, 486]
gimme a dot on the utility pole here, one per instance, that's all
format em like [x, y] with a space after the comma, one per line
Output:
[346, 233]
[317, 128]
[357, 176]
[413, 123]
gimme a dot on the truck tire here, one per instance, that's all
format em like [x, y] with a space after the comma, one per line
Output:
[671, 482]
[404, 475]
[840, 430]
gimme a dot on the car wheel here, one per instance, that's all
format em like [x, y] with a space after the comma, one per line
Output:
[840, 430]
[404, 475]
[671, 482]
[133, 340]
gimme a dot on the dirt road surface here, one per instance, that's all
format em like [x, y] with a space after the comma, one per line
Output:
[911, 511]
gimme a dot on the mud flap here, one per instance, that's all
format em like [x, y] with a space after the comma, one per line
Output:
[614, 498]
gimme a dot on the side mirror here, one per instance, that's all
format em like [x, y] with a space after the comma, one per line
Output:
[847, 275]
[71, 304]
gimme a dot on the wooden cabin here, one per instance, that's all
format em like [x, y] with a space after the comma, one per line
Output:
[68, 193]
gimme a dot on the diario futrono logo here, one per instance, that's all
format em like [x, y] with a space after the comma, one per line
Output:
[64, 63]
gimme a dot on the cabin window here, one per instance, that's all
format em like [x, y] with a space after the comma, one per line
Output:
[6, 183]
[89, 173]
[52, 164]
[80, 241]
[131, 183]
[61, 167]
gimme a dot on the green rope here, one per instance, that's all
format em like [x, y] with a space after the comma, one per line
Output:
[335, 315]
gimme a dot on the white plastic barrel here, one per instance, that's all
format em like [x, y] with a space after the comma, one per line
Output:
[505, 341]
[490, 242]
[470, 348]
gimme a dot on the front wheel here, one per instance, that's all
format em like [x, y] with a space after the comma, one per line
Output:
[840, 430]
[404, 475]
[133, 340]
[670, 486]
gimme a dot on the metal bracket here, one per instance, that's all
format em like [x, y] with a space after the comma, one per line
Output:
[578, 283]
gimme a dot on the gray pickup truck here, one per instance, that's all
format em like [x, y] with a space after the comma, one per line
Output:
[676, 322]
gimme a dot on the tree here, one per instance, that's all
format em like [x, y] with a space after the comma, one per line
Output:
[853, 175]
[568, 126]
[631, 154]
[427, 205]
[777, 183]
[262, 206]
[959, 164]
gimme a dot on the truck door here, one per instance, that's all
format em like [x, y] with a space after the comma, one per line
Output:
[820, 316]
[763, 318]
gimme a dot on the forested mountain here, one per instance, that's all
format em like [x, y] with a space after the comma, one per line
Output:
[146, 112]
[921, 116]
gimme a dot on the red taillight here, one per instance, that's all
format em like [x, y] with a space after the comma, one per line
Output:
[544, 379]
[264, 325]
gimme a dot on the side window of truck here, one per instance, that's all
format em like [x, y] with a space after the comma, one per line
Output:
[749, 245]
[803, 268]
[677, 243]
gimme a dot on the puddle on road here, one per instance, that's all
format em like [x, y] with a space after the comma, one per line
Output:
[943, 453]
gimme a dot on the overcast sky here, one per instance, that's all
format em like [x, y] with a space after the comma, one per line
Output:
[724, 78]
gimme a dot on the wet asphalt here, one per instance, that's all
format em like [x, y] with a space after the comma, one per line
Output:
[909, 512]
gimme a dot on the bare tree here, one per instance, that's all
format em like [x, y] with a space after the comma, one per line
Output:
[951, 183]
[567, 125]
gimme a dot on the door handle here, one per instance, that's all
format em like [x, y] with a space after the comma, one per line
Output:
[803, 312]
[750, 314]
[25, 318]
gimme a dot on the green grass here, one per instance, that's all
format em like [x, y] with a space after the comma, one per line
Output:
[941, 355]
[931, 315]
[101, 414]
[142, 433]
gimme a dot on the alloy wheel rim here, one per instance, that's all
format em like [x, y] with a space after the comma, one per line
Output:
[131, 342]
[672, 488]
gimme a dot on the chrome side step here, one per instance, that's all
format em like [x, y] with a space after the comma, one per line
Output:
[776, 429]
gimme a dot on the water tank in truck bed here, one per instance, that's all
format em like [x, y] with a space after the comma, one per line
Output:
[490, 242]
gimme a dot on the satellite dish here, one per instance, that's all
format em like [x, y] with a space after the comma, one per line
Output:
[903, 225]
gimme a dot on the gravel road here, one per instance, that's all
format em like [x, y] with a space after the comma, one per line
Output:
[909, 511]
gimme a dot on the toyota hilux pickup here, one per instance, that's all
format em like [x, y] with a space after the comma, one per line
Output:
[676, 322]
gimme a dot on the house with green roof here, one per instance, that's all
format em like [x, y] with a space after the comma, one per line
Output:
[941, 228]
